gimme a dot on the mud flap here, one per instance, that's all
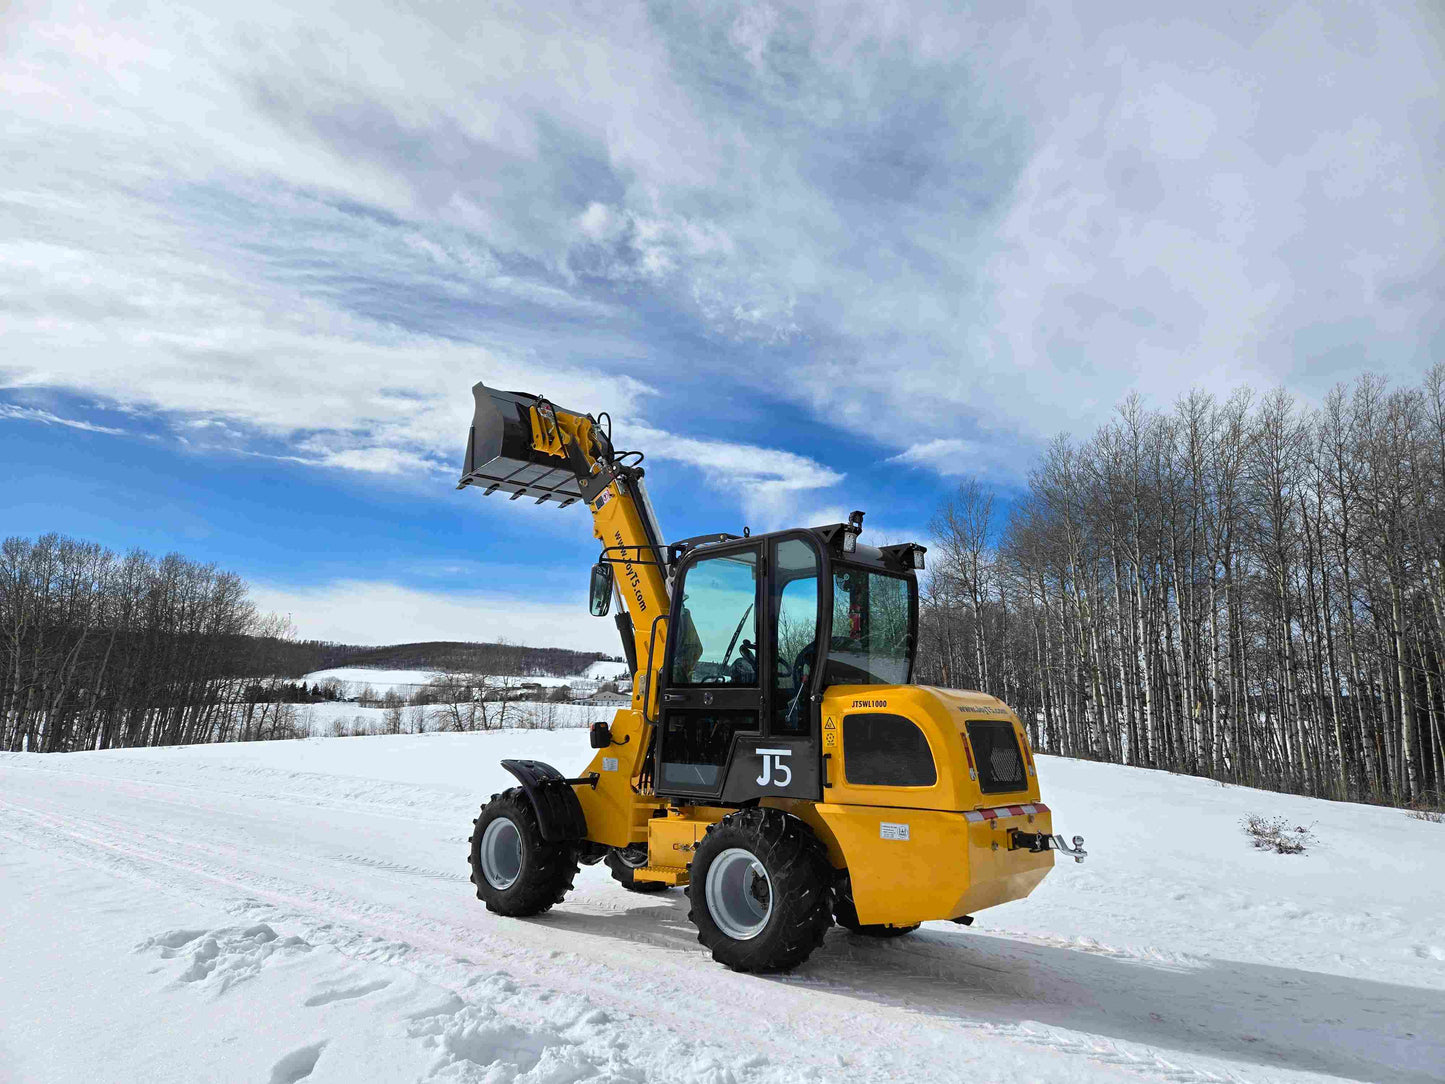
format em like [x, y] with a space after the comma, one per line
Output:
[559, 813]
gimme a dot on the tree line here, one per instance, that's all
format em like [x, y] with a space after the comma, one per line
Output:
[1236, 588]
[99, 649]
[448, 656]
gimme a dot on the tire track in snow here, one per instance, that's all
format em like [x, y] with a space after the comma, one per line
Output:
[149, 852]
[354, 929]
[302, 789]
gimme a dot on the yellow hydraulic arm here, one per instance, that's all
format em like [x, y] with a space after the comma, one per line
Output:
[526, 446]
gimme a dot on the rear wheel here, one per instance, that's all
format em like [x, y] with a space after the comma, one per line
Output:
[761, 891]
[516, 871]
[623, 862]
[846, 912]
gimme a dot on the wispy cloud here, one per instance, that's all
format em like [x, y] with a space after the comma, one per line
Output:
[951, 457]
[897, 219]
[44, 417]
[768, 483]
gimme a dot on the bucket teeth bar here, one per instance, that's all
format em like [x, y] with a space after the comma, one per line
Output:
[501, 455]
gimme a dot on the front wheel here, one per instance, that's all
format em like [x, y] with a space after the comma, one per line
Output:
[761, 891]
[516, 871]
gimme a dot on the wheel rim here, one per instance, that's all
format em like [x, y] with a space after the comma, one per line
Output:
[501, 854]
[739, 894]
[632, 859]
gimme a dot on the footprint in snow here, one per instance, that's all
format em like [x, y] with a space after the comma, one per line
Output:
[345, 993]
[229, 954]
[474, 1037]
[298, 1064]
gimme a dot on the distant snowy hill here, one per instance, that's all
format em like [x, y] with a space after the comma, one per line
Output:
[353, 679]
[300, 911]
[604, 670]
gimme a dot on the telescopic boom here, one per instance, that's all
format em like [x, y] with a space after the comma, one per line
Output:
[526, 446]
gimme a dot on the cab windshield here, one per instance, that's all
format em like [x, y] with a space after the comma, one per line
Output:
[872, 638]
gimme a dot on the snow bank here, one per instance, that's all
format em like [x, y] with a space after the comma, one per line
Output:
[292, 911]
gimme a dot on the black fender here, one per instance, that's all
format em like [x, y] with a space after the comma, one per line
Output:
[559, 813]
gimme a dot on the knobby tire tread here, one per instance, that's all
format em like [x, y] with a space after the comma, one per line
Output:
[802, 881]
[548, 869]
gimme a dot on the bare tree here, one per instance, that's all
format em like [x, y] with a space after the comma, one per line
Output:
[1241, 589]
[99, 650]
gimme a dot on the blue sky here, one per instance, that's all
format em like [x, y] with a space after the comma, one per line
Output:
[252, 257]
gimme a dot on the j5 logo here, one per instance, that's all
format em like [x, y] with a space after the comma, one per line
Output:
[773, 764]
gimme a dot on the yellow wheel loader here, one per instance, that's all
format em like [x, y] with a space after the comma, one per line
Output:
[775, 760]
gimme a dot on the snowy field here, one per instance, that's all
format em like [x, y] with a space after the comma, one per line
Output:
[328, 718]
[289, 911]
[353, 679]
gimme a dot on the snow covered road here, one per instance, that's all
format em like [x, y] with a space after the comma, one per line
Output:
[289, 911]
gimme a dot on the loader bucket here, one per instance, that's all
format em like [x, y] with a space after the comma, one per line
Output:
[500, 456]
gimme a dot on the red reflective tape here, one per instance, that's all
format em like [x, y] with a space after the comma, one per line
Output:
[1008, 811]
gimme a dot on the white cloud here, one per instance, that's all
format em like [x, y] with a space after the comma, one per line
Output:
[44, 417]
[914, 219]
[952, 457]
[1230, 194]
[768, 483]
[362, 612]
[752, 31]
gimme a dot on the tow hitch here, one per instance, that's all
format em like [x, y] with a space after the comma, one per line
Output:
[1038, 842]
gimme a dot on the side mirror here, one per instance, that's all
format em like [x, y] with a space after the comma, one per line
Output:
[601, 594]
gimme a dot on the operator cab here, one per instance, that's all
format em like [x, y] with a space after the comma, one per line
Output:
[741, 680]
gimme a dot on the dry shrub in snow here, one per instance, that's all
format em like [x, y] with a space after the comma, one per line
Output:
[1275, 834]
[1432, 815]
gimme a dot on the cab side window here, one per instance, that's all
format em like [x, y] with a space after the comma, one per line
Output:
[717, 640]
[795, 613]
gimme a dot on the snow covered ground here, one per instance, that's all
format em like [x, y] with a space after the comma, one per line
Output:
[332, 718]
[289, 911]
[353, 679]
[607, 670]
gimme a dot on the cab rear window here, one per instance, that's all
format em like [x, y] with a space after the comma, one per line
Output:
[996, 751]
[886, 751]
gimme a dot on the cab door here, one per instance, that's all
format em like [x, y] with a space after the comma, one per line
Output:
[712, 690]
[787, 762]
[738, 716]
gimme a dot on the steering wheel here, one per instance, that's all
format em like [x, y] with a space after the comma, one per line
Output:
[744, 669]
[748, 652]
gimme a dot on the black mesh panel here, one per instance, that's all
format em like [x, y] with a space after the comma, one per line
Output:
[1000, 765]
